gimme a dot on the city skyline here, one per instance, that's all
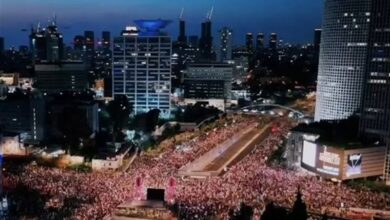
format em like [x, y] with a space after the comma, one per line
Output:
[294, 23]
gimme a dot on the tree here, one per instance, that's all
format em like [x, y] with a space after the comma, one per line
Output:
[272, 212]
[152, 120]
[299, 211]
[246, 212]
[119, 110]
[146, 122]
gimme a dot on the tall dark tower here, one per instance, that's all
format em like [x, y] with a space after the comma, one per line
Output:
[106, 40]
[89, 38]
[273, 41]
[249, 42]
[182, 39]
[317, 42]
[206, 40]
[375, 109]
[1, 45]
[47, 43]
[259, 41]
[78, 42]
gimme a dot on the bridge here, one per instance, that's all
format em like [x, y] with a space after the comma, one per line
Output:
[299, 113]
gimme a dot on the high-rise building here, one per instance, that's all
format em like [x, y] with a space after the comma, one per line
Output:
[208, 82]
[206, 41]
[142, 66]
[226, 44]
[79, 48]
[106, 40]
[182, 39]
[249, 42]
[89, 41]
[343, 56]
[259, 41]
[23, 113]
[317, 40]
[78, 42]
[65, 76]
[89, 37]
[376, 95]
[46, 44]
[1, 45]
[375, 106]
[273, 41]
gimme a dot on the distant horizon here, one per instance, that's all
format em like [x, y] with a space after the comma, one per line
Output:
[294, 22]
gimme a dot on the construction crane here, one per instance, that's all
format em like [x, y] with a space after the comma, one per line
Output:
[181, 14]
[210, 14]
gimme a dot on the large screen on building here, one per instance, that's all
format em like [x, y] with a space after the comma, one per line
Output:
[309, 153]
[329, 161]
[354, 164]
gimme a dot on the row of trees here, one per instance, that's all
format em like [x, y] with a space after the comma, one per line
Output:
[272, 212]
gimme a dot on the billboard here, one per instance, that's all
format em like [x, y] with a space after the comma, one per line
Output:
[341, 163]
[354, 164]
[309, 153]
[321, 159]
[329, 161]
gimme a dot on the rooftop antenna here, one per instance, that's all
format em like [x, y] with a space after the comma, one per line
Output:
[181, 14]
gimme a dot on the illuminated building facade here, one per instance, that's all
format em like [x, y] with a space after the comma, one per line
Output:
[208, 81]
[343, 56]
[65, 76]
[375, 109]
[142, 66]
[225, 50]
[46, 43]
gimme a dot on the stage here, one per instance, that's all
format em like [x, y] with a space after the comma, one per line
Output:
[141, 210]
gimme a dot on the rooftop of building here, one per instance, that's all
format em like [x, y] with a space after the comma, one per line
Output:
[209, 64]
[73, 97]
[9, 134]
[340, 134]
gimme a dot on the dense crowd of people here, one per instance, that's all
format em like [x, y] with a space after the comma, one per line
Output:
[75, 195]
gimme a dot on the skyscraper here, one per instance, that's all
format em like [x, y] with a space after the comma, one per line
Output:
[343, 56]
[78, 42]
[79, 48]
[182, 39]
[317, 40]
[1, 45]
[142, 66]
[89, 40]
[206, 41]
[226, 44]
[376, 95]
[47, 43]
[249, 42]
[273, 41]
[259, 41]
[375, 109]
[106, 40]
